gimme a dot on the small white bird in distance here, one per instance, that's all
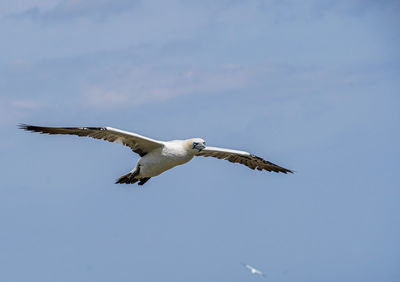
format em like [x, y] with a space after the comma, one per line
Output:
[253, 270]
[159, 156]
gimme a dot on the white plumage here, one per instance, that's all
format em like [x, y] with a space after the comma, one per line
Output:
[159, 156]
[253, 270]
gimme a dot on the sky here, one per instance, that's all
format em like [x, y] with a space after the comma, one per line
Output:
[310, 85]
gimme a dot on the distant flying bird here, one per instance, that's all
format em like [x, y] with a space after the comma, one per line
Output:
[159, 156]
[253, 270]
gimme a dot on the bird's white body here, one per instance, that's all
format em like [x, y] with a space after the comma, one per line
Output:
[173, 153]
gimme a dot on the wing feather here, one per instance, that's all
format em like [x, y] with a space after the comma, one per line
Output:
[138, 143]
[242, 157]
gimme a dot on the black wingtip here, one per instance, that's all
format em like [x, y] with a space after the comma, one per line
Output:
[288, 171]
[24, 126]
[29, 127]
[275, 168]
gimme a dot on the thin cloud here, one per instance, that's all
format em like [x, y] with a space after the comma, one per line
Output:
[76, 9]
[16, 110]
[144, 85]
[25, 104]
[121, 87]
[18, 7]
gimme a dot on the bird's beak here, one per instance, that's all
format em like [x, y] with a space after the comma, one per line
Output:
[199, 146]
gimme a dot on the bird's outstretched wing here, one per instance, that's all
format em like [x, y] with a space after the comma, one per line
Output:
[242, 157]
[253, 270]
[139, 144]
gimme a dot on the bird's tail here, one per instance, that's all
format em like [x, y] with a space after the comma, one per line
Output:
[128, 178]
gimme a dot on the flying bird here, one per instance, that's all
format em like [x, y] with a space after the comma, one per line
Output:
[253, 270]
[159, 156]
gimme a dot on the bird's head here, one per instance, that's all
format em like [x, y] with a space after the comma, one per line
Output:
[196, 144]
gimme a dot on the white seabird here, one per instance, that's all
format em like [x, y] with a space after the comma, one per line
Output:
[159, 156]
[253, 270]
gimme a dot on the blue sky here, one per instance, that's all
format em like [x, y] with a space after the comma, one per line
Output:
[310, 85]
